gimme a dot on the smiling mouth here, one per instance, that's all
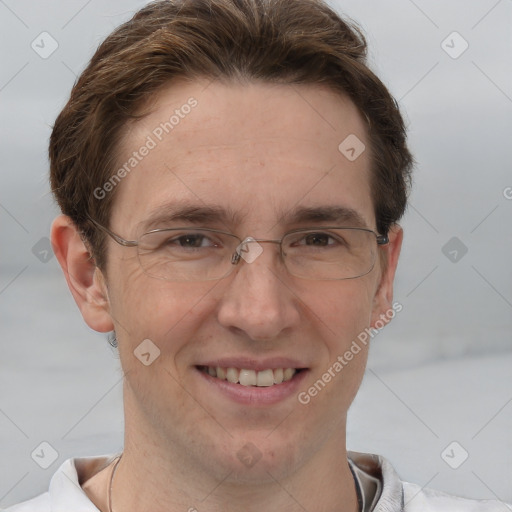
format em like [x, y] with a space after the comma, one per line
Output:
[245, 377]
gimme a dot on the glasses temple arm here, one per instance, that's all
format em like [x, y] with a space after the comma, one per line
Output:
[117, 238]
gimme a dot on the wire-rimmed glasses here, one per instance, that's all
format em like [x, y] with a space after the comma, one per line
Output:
[205, 254]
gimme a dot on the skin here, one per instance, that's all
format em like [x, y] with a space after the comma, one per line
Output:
[260, 149]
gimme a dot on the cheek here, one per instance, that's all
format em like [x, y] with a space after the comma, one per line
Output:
[344, 308]
[167, 313]
[343, 313]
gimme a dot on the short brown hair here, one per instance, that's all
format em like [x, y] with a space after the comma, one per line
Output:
[278, 41]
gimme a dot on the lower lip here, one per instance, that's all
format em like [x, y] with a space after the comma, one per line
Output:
[254, 395]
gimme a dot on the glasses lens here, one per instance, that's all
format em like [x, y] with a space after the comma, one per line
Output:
[330, 253]
[185, 254]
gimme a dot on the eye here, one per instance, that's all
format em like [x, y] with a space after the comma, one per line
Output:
[191, 240]
[317, 239]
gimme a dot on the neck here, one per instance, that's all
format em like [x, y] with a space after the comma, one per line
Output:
[141, 484]
[157, 474]
[162, 470]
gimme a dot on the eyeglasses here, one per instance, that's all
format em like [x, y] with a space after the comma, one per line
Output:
[204, 254]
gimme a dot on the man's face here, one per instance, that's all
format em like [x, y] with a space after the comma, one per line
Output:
[260, 152]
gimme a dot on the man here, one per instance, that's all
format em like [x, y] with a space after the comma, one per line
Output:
[231, 175]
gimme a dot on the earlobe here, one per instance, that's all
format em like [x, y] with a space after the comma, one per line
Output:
[383, 299]
[86, 282]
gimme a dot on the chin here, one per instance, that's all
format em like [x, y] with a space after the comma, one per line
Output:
[258, 459]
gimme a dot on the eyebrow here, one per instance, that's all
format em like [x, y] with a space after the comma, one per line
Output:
[192, 213]
[207, 214]
[329, 213]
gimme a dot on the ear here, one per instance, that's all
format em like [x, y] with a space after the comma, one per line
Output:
[383, 299]
[86, 282]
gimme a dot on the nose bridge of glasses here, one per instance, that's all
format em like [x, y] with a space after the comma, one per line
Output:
[244, 249]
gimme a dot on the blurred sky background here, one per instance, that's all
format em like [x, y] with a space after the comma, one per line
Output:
[441, 372]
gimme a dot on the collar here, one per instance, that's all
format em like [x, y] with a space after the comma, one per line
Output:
[381, 488]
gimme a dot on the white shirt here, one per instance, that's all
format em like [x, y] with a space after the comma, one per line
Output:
[381, 490]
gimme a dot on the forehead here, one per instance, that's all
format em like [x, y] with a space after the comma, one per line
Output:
[258, 150]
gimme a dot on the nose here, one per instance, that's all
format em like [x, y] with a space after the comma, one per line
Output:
[258, 298]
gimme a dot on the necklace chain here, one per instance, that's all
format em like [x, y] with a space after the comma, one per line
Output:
[109, 493]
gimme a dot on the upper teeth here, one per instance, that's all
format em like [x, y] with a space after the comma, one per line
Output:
[246, 377]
